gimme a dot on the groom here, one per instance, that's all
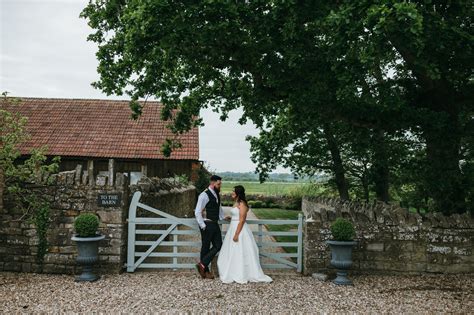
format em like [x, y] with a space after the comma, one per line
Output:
[208, 212]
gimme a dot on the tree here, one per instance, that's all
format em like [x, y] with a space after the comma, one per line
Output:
[426, 49]
[391, 67]
[18, 177]
[303, 145]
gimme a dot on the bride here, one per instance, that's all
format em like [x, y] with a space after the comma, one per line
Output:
[239, 258]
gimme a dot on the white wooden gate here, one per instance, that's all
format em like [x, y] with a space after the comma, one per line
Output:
[169, 237]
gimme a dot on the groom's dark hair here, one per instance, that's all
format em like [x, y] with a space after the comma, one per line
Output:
[215, 178]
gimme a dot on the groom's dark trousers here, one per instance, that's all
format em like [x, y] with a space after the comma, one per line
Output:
[210, 235]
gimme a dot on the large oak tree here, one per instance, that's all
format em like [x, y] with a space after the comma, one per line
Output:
[387, 66]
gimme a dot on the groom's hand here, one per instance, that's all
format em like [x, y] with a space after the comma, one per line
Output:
[228, 218]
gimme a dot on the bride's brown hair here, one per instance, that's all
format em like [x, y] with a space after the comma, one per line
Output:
[240, 192]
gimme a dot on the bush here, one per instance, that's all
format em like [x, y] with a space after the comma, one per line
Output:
[86, 225]
[258, 204]
[182, 179]
[227, 203]
[202, 181]
[272, 205]
[293, 203]
[342, 230]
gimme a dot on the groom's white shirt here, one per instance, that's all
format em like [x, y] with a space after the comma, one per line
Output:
[203, 199]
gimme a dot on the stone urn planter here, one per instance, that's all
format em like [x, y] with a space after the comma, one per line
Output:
[341, 249]
[87, 240]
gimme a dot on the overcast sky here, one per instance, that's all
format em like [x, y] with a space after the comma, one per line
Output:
[44, 53]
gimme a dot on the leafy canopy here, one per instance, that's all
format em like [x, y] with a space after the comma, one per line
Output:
[389, 70]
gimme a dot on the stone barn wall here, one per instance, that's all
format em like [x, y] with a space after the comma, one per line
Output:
[390, 239]
[73, 193]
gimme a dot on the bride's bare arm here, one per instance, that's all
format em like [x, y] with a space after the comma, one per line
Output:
[242, 218]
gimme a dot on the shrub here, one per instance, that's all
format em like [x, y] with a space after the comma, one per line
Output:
[258, 204]
[272, 205]
[86, 225]
[342, 230]
[202, 181]
[227, 203]
[293, 203]
[182, 179]
[255, 204]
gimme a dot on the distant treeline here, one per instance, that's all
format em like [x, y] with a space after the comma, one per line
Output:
[274, 177]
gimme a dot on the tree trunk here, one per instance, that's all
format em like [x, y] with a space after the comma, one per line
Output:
[338, 168]
[443, 174]
[442, 134]
[380, 167]
[443, 144]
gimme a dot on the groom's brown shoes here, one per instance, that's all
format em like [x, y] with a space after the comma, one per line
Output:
[201, 270]
[209, 275]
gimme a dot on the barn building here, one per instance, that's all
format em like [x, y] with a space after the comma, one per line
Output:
[101, 136]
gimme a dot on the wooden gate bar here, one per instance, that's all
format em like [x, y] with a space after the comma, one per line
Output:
[153, 246]
[175, 222]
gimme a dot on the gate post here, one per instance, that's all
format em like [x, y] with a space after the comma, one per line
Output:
[132, 215]
[300, 243]
[260, 235]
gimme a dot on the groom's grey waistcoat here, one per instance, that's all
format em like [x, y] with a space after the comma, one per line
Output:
[213, 206]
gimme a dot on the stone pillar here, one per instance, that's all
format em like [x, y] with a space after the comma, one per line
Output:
[144, 169]
[90, 172]
[78, 174]
[111, 171]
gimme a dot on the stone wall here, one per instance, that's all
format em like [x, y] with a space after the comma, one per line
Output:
[168, 195]
[72, 193]
[390, 239]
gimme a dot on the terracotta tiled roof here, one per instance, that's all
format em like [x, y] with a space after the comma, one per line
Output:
[100, 128]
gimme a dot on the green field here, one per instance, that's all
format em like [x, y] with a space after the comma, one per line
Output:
[270, 188]
[275, 214]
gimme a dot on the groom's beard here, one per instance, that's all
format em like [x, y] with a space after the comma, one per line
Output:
[217, 190]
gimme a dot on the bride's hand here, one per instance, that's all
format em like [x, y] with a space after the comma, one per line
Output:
[236, 238]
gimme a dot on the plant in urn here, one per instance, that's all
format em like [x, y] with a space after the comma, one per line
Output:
[341, 249]
[87, 240]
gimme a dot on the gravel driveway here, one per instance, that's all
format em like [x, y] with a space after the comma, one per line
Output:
[174, 292]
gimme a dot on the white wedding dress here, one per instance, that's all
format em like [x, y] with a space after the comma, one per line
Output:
[239, 261]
